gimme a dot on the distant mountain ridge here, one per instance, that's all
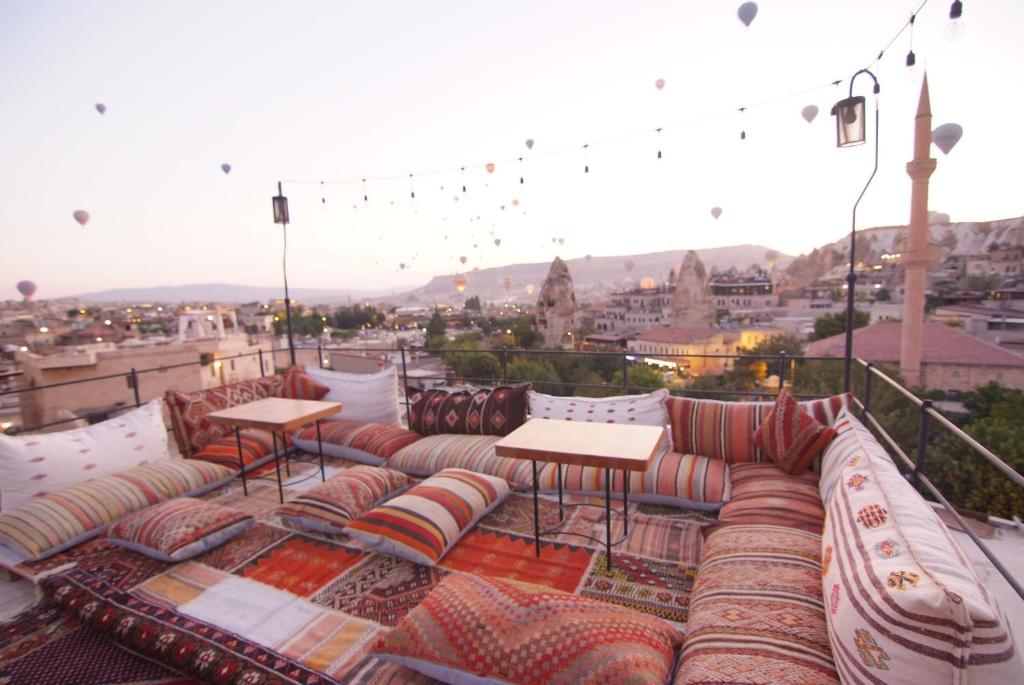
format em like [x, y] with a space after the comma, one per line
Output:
[226, 293]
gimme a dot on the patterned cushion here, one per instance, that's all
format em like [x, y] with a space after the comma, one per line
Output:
[368, 443]
[296, 385]
[475, 453]
[425, 522]
[497, 411]
[905, 604]
[684, 480]
[330, 506]
[437, 411]
[790, 436]
[724, 430]
[756, 612]
[474, 629]
[188, 410]
[256, 444]
[54, 522]
[764, 493]
[33, 465]
[178, 529]
[847, 446]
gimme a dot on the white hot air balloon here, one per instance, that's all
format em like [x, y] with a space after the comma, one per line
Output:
[529, 143]
[226, 168]
[81, 216]
[747, 12]
[809, 112]
[716, 212]
[947, 136]
[101, 108]
[497, 242]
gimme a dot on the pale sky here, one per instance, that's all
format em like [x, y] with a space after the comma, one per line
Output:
[344, 90]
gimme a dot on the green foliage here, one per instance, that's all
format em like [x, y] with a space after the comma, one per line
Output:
[984, 282]
[593, 378]
[473, 303]
[639, 378]
[437, 325]
[476, 365]
[835, 323]
[538, 371]
[356, 317]
[883, 295]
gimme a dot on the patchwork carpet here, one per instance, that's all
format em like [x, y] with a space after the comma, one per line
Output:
[279, 606]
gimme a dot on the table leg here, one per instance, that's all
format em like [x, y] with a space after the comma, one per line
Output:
[241, 461]
[608, 518]
[284, 452]
[561, 514]
[625, 502]
[277, 467]
[536, 512]
[320, 449]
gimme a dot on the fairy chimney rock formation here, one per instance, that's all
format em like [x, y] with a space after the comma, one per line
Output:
[692, 305]
[556, 307]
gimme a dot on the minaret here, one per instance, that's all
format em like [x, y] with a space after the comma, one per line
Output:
[915, 258]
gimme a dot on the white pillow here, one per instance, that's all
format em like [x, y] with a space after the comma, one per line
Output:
[32, 465]
[370, 397]
[642, 410]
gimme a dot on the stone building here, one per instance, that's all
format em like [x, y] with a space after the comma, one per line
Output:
[556, 307]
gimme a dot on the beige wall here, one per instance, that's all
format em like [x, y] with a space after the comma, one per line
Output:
[968, 377]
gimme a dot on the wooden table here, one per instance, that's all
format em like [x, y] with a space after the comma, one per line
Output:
[610, 446]
[276, 414]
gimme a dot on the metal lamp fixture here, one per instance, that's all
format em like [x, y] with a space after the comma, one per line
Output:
[851, 131]
[281, 217]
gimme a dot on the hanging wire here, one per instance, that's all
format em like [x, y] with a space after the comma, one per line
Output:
[899, 33]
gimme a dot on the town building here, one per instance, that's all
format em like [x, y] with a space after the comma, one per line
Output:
[676, 347]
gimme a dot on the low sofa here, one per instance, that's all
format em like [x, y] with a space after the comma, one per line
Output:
[845, 575]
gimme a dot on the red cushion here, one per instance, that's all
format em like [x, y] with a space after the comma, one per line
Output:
[374, 438]
[764, 494]
[298, 386]
[791, 437]
[256, 444]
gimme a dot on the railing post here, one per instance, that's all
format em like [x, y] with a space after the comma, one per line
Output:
[625, 374]
[262, 372]
[867, 386]
[922, 440]
[782, 371]
[504, 366]
[320, 356]
[134, 380]
[405, 386]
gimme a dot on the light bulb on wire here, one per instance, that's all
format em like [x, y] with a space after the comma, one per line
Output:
[956, 28]
[911, 73]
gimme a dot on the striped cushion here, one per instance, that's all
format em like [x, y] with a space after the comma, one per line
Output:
[425, 522]
[475, 629]
[188, 410]
[905, 604]
[54, 522]
[846, 447]
[296, 385]
[178, 529]
[790, 436]
[724, 430]
[472, 452]
[331, 506]
[756, 612]
[256, 444]
[368, 443]
[684, 480]
[763, 493]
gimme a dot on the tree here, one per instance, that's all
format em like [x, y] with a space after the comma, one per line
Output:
[436, 326]
[473, 303]
[835, 323]
[474, 365]
[983, 282]
[538, 371]
[639, 378]
[587, 388]
[525, 333]
[883, 295]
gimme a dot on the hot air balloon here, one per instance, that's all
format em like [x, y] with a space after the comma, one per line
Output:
[554, 240]
[529, 288]
[809, 112]
[747, 12]
[947, 136]
[503, 208]
[529, 143]
[101, 108]
[497, 242]
[507, 282]
[659, 84]
[647, 283]
[27, 289]
[81, 216]
[462, 259]
[716, 212]
[460, 282]
[226, 168]
[629, 264]
[490, 167]
[561, 241]
[515, 202]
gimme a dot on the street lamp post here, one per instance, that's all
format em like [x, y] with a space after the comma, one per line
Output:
[850, 131]
[281, 217]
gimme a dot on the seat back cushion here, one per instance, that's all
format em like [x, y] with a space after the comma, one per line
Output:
[905, 604]
[188, 410]
[791, 437]
[495, 411]
[33, 465]
[366, 443]
[648, 409]
[52, 523]
[764, 493]
[725, 430]
[296, 385]
[474, 453]
[368, 397]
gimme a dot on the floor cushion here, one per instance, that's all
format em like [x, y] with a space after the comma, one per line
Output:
[330, 506]
[790, 436]
[905, 603]
[723, 430]
[257, 449]
[368, 397]
[33, 465]
[52, 523]
[682, 480]
[366, 443]
[475, 453]
[764, 493]
[476, 629]
[422, 524]
[178, 529]
[757, 616]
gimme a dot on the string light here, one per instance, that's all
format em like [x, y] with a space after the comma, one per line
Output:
[955, 29]
[743, 130]
[658, 131]
[412, 191]
[586, 158]
[911, 58]
[463, 179]
[323, 197]
[520, 171]
[366, 198]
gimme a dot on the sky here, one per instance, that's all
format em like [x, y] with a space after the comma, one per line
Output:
[304, 92]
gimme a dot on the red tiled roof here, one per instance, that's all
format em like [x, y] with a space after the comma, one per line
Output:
[685, 334]
[940, 344]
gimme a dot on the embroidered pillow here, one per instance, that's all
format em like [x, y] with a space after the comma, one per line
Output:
[481, 630]
[791, 437]
[35, 465]
[497, 411]
[178, 529]
[368, 397]
[330, 506]
[643, 410]
[298, 386]
[422, 524]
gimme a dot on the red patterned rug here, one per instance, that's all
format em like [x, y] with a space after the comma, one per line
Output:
[301, 565]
